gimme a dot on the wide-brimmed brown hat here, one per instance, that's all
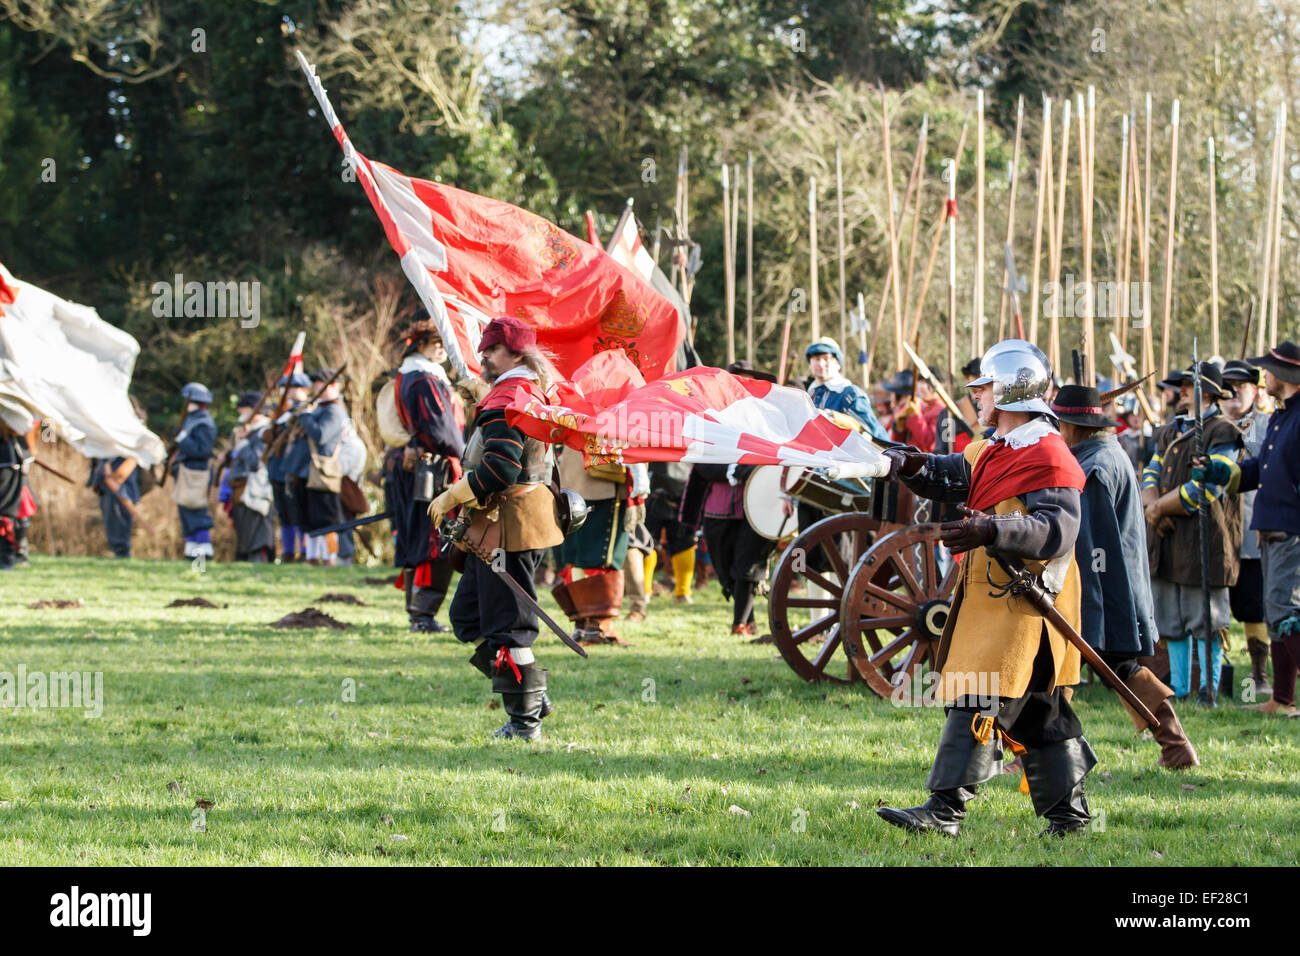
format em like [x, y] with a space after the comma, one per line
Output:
[1211, 380]
[1283, 361]
[1081, 405]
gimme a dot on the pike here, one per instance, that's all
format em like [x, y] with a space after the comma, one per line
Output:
[1125, 366]
[295, 362]
[1202, 528]
[924, 371]
[456, 534]
[273, 448]
[1013, 290]
[1024, 584]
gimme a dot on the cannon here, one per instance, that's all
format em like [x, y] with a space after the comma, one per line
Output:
[860, 596]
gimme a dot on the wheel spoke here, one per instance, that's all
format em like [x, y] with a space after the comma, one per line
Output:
[866, 624]
[812, 602]
[900, 601]
[827, 652]
[894, 646]
[905, 572]
[813, 629]
[826, 584]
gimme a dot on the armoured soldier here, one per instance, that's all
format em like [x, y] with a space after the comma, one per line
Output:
[193, 457]
[1003, 667]
[513, 522]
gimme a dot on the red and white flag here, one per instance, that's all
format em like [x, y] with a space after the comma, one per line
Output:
[703, 414]
[471, 258]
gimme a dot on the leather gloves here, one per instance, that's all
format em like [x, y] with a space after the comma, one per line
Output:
[457, 494]
[968, 534]
[1169, 504]
[905, 461]
[1212, 471]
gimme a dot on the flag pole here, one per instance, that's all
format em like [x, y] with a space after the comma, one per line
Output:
[1012, 175]
[728, 277]
[1044, 187]
[749, 256]
[1169, 237]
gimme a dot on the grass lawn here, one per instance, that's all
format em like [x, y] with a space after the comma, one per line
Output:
[691, 747]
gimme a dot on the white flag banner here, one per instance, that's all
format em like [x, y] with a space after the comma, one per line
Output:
[61, 363]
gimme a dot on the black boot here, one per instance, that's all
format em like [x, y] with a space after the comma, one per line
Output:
[960, 766]
[1055, 776]
[482, 661]
[8, 555]
[424, 604]
[522, 701]
[22, 556]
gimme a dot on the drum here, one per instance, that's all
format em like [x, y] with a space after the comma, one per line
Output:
[833, 497]
[763, 504]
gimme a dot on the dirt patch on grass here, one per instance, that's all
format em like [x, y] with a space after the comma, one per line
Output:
[55, 603]
[381, 582]
[195, 602]
[311, 617]
[343, 599]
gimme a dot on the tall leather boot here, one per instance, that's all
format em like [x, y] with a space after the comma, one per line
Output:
[1055, 776]
[1257, 646]
[522, 700]
[8, 555]
[1176, 751]
[598, 599]
[22, 555]
[634, 586]
[960, 766]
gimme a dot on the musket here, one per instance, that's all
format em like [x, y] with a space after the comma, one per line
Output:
[273, 448]
[54, 471]
[171, 456]
[1245, 334]
[356, 522]
[295, 360]
[1023, 584]
[455, 533]
[1202, 527]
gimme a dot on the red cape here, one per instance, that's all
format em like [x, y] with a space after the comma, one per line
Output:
[1003, 472]
[503, 393]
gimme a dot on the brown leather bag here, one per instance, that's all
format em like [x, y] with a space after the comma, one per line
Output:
[352, 497]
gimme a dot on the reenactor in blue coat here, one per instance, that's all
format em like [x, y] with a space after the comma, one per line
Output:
[318, 475]
[286, 507]
[192, 470]
[251, 494]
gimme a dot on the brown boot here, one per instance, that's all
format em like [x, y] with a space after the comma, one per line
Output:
[597, 600]
[1176, 751]
[1259, 665]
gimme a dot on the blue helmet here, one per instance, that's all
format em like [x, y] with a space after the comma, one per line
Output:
[194, 392]
[825, 346]
[296, 380]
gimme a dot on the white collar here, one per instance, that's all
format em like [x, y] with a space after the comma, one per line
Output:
[415, 362]
[1029, 433]
[519, 371]
[836, 383]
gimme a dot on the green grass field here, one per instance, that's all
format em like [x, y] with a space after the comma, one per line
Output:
[649, 752]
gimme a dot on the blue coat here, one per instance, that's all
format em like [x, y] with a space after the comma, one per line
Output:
[1118, 613]
[1275, 471]
[323, 427]
[841, 395]
[196, 439]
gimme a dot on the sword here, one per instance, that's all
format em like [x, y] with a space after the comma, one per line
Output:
[356, 523]
[456, 532]
[1023, 584]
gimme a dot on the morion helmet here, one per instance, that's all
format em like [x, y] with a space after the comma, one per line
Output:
[1019, 374]
[194, 392]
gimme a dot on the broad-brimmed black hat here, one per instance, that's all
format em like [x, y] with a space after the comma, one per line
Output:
[249, 400]
[1238, 371]
[746, 368]
[971, 369]
[902, 383]
[1081, 405]
[1283, 361]
[1211, 379]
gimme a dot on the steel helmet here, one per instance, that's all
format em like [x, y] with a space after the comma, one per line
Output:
[194, 392]
[1019, 374]
[570, 511]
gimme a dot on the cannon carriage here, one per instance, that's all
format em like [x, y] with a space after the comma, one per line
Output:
[859, 596]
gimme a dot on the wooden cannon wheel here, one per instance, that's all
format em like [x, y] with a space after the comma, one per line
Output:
[895, 607]
[812, 647]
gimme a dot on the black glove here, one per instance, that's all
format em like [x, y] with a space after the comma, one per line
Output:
[905, 461]
[968, 534]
